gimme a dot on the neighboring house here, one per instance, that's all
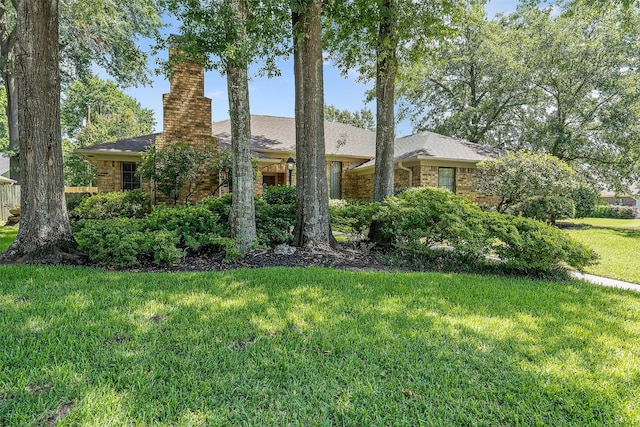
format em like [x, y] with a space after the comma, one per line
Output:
[629, 199]
[425, 159]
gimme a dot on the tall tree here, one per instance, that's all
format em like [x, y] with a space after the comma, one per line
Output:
[584, 70]
[91, 32]
[312, 216]
[474, 86]
[362, 119]
[564, 83]
[95, 111]
[377, 37]
[227, 35]
[44, 232]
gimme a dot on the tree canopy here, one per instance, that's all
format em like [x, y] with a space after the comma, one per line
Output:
[562, 83]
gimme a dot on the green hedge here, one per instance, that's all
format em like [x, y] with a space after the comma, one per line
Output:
[612, 211]
[438, 228]
[116, 204]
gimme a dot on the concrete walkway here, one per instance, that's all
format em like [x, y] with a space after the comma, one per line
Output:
[612, 283]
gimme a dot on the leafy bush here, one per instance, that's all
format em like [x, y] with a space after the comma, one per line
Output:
[352, 216]
[429, 216]
[611, 211]
[440, 229]
[274, 222]
[117, 241]
[192, 224]
[116, 204]
[220, 206]
[279, 195]
[585, 198]
[545, 208]
[525, 244]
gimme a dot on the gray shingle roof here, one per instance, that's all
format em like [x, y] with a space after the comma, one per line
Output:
[429, 144]
[129, 145]
[279, 134]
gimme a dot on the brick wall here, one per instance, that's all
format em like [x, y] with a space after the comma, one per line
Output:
[360, 186]
[187, 118]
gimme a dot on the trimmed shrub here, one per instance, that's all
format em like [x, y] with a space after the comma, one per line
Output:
[525, 244]
[545, 208]
[279, 195]
[220, 206]
[441, 230]
[430, 216]
[192, 224]
[612, 211]
[274, 222]
[585, 199]
[116, 204]
[352, 216]
[117, 241]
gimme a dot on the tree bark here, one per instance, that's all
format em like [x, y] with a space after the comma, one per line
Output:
[7, 59]
[243, 217]
[312, 228]
[45, 234]
[386, 69]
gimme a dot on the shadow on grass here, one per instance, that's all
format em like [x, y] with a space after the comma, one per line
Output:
[315, 347]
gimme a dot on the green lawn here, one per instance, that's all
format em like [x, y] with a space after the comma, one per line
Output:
[631, 224]
[7, 234]
[618, 247]
[314, 347]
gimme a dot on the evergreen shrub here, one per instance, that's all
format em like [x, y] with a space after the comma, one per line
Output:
[115, 204]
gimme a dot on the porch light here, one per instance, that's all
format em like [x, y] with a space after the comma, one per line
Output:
[290, 164]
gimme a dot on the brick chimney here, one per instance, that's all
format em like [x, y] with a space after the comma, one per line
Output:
[186, 111]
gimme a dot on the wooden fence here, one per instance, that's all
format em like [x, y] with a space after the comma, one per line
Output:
[9, 196]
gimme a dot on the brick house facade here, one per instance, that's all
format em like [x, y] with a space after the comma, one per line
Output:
[421, 160]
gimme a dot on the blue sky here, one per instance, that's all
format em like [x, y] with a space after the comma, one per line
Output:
[275, 96]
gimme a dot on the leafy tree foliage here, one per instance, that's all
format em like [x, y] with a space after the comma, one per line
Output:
[92, 32]
[95, 111]
[377, 38]
[228, 35]
[361, 119]
[517, 176]
[562, 83]
[473, 86]
[177, 167]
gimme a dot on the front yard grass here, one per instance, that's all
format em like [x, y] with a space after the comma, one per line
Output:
[7, 234]
[313, 347]
[618, 247]
[631, 224]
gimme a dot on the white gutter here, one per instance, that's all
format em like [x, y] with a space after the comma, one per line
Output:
[410, 173]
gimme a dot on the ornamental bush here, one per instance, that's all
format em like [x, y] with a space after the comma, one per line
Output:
[116, 204]
[442, 230]
[612, 211]
[274, 222]
[352, 216]
[192, 225]
[527, 245]
[548, 209]
[433, 217]
[279, 195]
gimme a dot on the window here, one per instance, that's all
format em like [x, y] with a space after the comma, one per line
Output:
[129, 179]
[447, 179]
[335, 180]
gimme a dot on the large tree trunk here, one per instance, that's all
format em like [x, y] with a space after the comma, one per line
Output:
[243, 217]
[386, 68]
[312, 217]
[44, 234]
